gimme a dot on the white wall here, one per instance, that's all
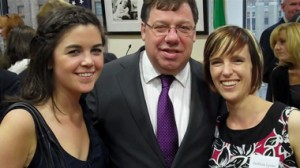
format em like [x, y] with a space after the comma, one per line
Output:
[118, 44]
[234, 12]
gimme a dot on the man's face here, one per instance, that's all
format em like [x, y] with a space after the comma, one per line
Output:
[290, 8]
[169, 53]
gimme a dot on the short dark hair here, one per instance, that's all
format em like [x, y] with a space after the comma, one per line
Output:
[40, 86]
[18, 43]
[225, 41]
[167, 5]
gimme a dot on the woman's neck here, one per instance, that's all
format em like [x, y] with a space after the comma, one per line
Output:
[248, 113]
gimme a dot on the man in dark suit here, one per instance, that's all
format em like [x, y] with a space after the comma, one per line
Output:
[126, 95]
[289, 8]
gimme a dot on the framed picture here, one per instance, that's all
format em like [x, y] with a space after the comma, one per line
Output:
[125, 19]
[98, 10]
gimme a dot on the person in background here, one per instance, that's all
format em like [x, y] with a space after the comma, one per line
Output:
[254, 129]
[289, 9]
[9, 86]
[285, 78]
[17, 49]
[296, 18]
[108, 56]
[66, 59]
[7, 22]
[3, 23]
[127, 102]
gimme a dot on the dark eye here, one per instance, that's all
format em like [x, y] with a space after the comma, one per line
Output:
[160, 28]
[185, 28]
[74, 52]
[238, 60]
[215, 62]
[97, 51]
[282, 41]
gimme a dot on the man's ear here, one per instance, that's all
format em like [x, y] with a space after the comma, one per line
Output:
[143, 31]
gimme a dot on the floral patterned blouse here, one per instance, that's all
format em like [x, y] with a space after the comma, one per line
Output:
[232, 148]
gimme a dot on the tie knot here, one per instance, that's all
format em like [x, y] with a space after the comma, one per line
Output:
[166, 80]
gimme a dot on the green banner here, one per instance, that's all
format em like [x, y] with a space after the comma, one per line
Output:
[219, 13]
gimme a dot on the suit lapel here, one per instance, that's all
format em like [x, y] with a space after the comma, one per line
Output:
[197, 105]
[131, 87]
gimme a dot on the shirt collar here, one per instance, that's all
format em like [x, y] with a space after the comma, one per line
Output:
[285, 19]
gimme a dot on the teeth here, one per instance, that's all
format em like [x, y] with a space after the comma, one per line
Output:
[229, 83]
[86, 74]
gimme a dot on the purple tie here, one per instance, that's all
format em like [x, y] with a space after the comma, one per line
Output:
[167, 135]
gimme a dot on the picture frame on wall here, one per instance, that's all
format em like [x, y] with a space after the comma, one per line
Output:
[124, 17]
[98, 10]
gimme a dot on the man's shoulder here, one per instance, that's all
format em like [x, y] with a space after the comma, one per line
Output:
[280, 70]
[196, 65]
[8, 76]
[197, 70]
[271, 28]
[131, 58]
[123, 64]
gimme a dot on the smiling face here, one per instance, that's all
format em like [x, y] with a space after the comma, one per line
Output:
[231, 74]
[170, 53]
[78, 61]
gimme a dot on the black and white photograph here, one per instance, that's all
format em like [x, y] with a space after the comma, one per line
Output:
[123, 16]
[124, 10]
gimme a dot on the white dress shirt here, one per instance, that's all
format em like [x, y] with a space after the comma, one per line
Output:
[179, 93]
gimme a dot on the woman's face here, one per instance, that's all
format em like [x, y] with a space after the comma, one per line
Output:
[280, 49]
[78, 61]
[231, 74]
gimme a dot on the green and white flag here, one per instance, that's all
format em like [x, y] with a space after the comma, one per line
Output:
[219, 13]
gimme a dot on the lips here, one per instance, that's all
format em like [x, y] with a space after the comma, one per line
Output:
[170, 50]
[170, 54]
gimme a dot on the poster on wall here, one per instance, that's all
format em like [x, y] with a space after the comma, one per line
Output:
[123, 16]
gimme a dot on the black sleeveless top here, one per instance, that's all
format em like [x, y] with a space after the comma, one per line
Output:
[295, 95]
[97, 156]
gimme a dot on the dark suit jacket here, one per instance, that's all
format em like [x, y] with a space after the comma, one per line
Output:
[9, 85]
[280, 85]
[270, 61]
[109, 57]
[124, 123]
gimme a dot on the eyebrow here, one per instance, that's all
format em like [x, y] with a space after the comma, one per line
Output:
[79, 46]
